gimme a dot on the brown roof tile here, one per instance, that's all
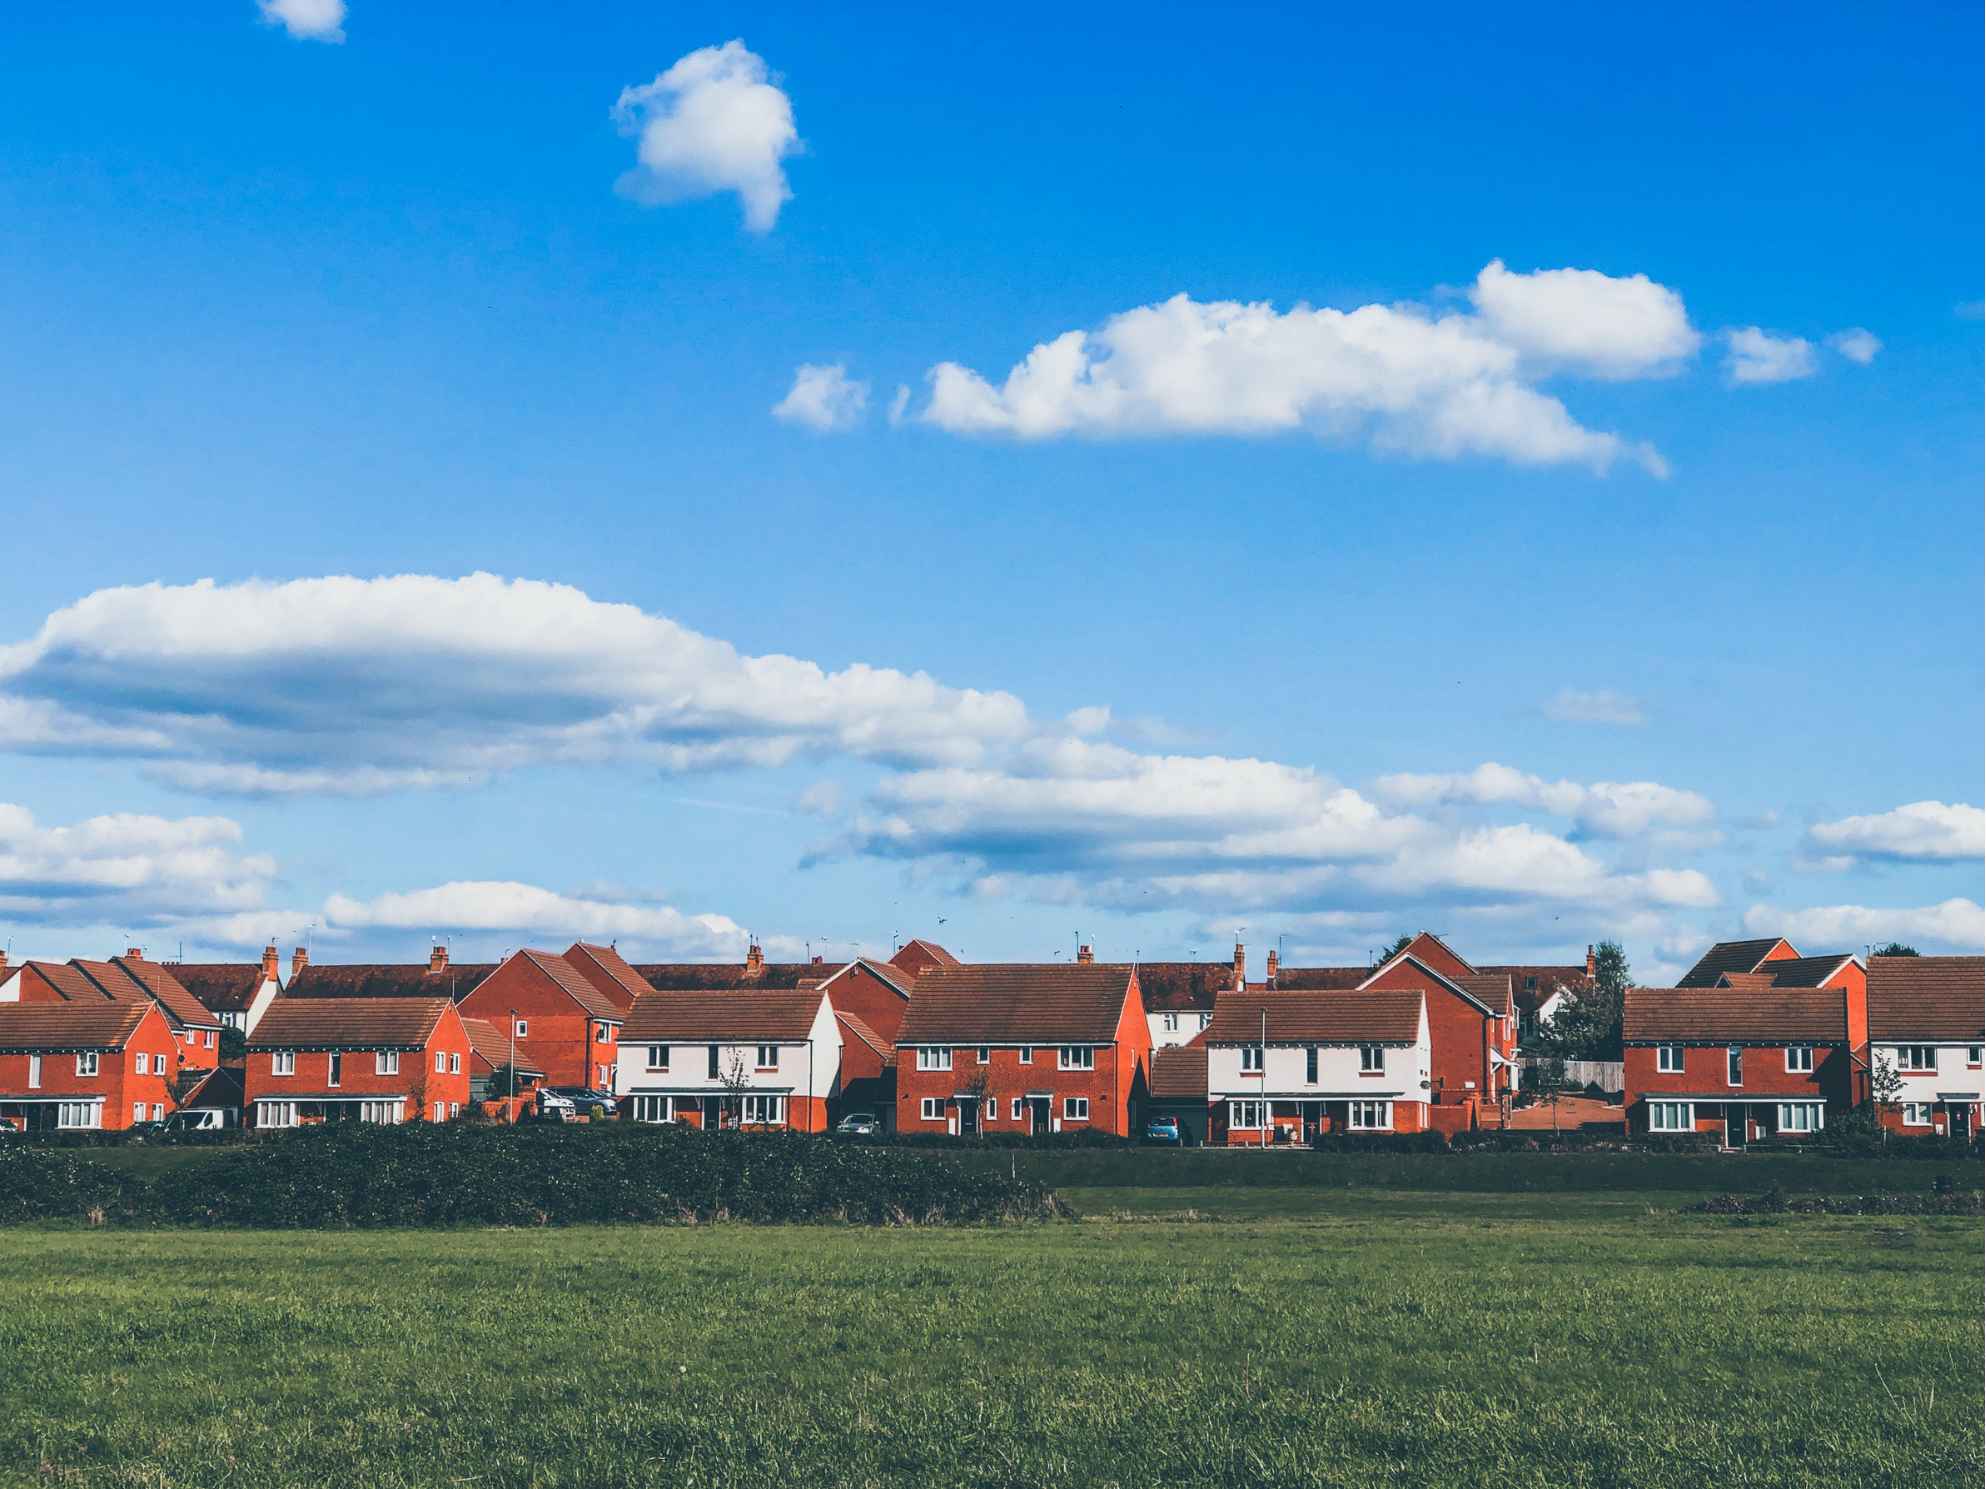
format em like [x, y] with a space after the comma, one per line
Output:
[1489, 988]
[729, 974]
[1532, 984]
[1016, 1003]
[1179, 1073]
[158, 980]
[608, 970]
[1747, 980]
[736, 1016]
[574, 984]
[1172, 987]
[489, 1044]
[1318, 1016]
[855, 1028]
[347, 1023]
[386, 980]
[1804, 971]
[1296, 979]
[1734, 1016]
[225, 987]
[69, 981]
[1727, 956]
[919, 952]
[87, 1024]
[1939, 998]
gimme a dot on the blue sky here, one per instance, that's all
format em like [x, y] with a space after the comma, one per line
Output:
[277, 308]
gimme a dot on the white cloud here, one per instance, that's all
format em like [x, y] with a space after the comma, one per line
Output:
[1408, 381]
[1952, 923]
[823, 398]
[899, 403]
[503, 905]
[1088, 721]
[307, 20]
[1922, 831]
[715, 121]
[1756, 357]
[125, 868]
[1857, 345]
[1611, 808]
[1585, 321]
[316, 685]
[1594, 706]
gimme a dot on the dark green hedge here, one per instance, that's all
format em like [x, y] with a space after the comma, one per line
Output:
[470, 1174]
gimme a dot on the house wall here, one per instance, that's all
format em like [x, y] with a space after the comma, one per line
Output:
[1459, 1035]
[1704, 1076]
[417, 1080]
[1187, 1022]
[561, 1039]
[861, 992]
[806, 1072]
[1006, 1079]
[117, 1080]
[1955, 1072]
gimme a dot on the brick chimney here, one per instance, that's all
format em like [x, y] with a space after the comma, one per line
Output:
[1592, 963]
[3, 959]
[271, 963]
[1085, 954]
[136, 953]
[1272, 966]
[754, 960]
[299, 959]
[1240, 967]
[438, 959]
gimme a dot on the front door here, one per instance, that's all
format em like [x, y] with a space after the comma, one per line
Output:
[1037, 1114]
[968, 1116]
[1734, 1127]
[1958, 1120]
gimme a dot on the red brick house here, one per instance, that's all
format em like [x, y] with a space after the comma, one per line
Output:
[741, 1058]
[1740, 1063]
[917, 956]
[1471, 1024]
[388, 1060]
[1008, 1047]
[562, 1021]
[501, 1078]
[868, 1072]
[128, 979]
[608, 970]
[85, 1063]
[875, 992]
[1290, 1065]
[1926, 1024]
[238, 993]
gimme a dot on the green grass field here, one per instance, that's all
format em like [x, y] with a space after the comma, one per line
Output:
[1299, 1336]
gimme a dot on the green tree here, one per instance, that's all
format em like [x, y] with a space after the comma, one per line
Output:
[1885, 1086]
[1896, 948]
[1400, 944]
[1588, 1025]
[234, 1045]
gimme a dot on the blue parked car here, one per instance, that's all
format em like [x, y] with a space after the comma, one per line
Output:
[1165, 1130]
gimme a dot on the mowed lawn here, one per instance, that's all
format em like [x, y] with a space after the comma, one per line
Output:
[1434, 1339]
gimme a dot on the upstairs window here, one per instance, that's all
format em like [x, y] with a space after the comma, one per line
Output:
[1669, 1059]
[1972, 1056]
[768, 1057]
[984, 1054]
[1251, 1059]
[1027, 1054]
[1799, 1058]
[934, 1057]
[1169, 1022]
[1916, 1057]
[1310, 1065]
[86, 1062]
[454, 1062]
[658, 1057]
[1078, 1057]
[385, 1062]
[34, 1072]
[1372, 1059]
[714, 1071]
[1734, 1066]
[523, 1028]
[283, 1062]
[441, 1062]
[335, 1068]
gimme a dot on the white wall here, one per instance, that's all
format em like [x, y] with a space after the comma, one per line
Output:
[689, 1064]
[1190, 1020]
[1953, 1074]
[1338, 1075]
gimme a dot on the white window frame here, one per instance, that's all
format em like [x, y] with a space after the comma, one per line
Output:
[455, 1062]
[1370, 1116]
[67, 1113]
[1027, 1054]
[454, 1110]
[654, 1109]
[158, 1111]
[334, 1068]
[1799, 1059]
[1169, 1022]
[387, 1113]
[137, 1111]
[1019, 1109]
[760, 1062]
[440, 1112]
[992, 1108]
[1799, 1118]
[1917, 1113]
[1245, 1116]
[1076, 1057]
[934, 1057]
[521, 1029]
[1670, 1059]
[207, 1038]
[931, 1109]
[1075, 1108]
[1312, 1064]
[1734, 1061]
[276, 1114]
[86, 1062]
[1906, 1062]
[983, 1054]
[1658, 1111]
[1252, 1056]
[34, 1072]
[385, 1062]
[283, 1062]
[1972, 1057]
[657, 1057]
[441, 1062]
[144, 1065]
[762, 1110]
[1372, 1059]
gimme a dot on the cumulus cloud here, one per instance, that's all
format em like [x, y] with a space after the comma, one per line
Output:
[1953, 923]
[1585, 321]
[1919, 832]
[317, 686]
[307, 20]
[1857, 345]
[715, 121]
[1594, 706]
[504, 905]
[1757, 357]
[823, 398]
[1610, 808]
[1404, 379]
[125, 868]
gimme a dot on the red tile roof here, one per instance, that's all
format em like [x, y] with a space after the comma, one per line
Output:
[1751, 980]
[1805, 971]
[574, 984]
[1531, 985]
[1316, 1016]
[1734, 1016]
[225, 987]
[854, 1028]
[608, 970]
[69, 981]
[1936, 998]
[489, 1044]
[158, 980]
[1492, 989]
[1179, 1073]
[1294, 979]
[1010, 1003]
[917, 949]
[92, 1024]
[1173, 987]
[348, 1023]
[386, 980]
[729, 974]
[738, 1016]
[1728, 956]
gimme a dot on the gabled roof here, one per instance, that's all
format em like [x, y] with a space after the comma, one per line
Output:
[1728, 956]
[729, 974]
[1296, 979]
[574, 984]
[1805, 971]
[855, 1028]
[219, 1087]
[94, 1023]
[1010, 1003]
[158, 981]
[1935, 998]
[1172, 987]
[225, 987]
[1179, 1073]
[917, 952]
[1429, 949]
[738, 1016]
[70, 982]
[893, 977]
[386, 980]
[348, 1023]
[1369, 1016]
[1734, 1016]
[1532, 985]
[1743, 980]
[1454, 984]
[609, 971]
[1491, 989]
[488, 1044]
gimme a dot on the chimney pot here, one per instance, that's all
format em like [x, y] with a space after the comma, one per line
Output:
[299, 959]
[1273, 960]
[438, 959]
[1592, 963]
[1240, 967]
[270, 962]
[1085, 954]
[754, 960]
[135, 951]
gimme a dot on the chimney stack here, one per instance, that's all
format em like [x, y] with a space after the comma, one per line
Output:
[271, 963]
[1240, 967]
[136, 953]
[1592, 964]
[1085, 955]
[754, 960]
[3, 959]
[438, 959]
[299, 959]
[1273, 959]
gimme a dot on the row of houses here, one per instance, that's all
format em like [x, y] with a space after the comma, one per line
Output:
[1756, 1043]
